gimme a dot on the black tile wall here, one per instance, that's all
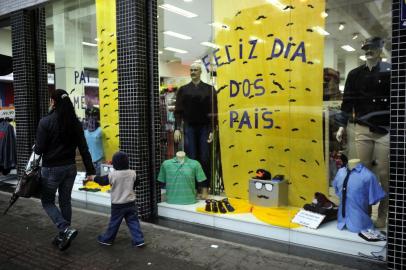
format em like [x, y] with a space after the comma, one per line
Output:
[397, 184]
[30, 76]
[8, 6]
[156, 130]
[41, 61]
[138, 103]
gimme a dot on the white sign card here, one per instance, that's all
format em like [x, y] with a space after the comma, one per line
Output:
[308, 219]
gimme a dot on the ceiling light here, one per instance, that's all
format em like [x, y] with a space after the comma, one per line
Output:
[324, 14]
[89, 44]
[347, 48]
[175, 50]
[341, 88]
[160, 52]
[197, 61]
[277, 4]
[177, 35]
[178, 11]
[187, 0]
[363, 58]
[220, 26]
[384, 59]
[341, 26]
[209, 44]
[321, 31]
[355, 36]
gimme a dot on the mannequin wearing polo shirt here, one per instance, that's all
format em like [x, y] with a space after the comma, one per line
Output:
[196, 106]
[366, 94]
[357, 188]
[180, 174]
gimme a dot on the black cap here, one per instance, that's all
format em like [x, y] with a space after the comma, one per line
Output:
[373, 42]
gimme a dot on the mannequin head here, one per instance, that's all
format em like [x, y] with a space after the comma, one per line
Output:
[195, 72]
[373, 48]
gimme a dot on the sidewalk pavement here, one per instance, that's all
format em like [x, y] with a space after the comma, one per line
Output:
[26, 234]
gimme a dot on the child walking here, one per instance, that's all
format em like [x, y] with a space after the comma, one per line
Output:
[123, 182]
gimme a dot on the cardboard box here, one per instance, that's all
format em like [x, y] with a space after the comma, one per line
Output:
[268, 193]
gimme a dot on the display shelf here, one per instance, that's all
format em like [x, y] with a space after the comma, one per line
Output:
[96, 198]
[326, 237]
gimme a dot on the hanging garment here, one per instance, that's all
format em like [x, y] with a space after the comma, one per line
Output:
[8, 154]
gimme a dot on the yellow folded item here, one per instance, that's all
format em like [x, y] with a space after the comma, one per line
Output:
[92, 184]
[240, 207]
[277, 216]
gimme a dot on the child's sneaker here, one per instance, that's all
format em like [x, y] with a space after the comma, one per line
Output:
[140, 245]
[104, 243]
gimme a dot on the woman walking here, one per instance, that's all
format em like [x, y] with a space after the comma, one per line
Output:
[58, 135]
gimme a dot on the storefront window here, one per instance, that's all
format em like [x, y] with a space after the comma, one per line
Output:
[8, 173]
[292, 91]
[81, 52]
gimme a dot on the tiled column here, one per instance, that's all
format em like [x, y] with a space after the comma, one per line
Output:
[138, 95]
[397, 182]
[30, 77]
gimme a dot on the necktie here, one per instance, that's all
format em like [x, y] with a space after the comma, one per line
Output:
[344, 195]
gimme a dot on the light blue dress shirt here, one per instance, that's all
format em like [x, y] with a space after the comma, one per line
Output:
[363, 189]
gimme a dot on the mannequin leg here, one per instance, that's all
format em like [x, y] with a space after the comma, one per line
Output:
[190, 141]
[382, 168]
[364, 145]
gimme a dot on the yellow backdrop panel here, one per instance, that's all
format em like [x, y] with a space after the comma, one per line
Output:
[270, 86]
[108, 83]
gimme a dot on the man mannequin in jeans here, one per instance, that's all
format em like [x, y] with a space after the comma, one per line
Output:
[366, 95]
[196, 106]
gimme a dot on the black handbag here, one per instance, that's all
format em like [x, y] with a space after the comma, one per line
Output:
[30, 182]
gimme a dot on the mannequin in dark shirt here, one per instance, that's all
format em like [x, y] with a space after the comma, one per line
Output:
[366, 95]
[196, 106]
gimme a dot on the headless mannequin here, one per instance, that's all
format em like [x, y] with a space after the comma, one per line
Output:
[369, 150]
[352, 163]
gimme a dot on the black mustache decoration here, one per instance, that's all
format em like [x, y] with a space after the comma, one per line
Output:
[263, 197]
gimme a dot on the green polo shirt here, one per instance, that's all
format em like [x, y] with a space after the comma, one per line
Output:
[180, 180]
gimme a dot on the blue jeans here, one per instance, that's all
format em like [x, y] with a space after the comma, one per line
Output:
[59, 178]
[127, 211]
[197, 147]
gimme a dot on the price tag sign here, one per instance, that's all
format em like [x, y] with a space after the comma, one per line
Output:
[308, 219]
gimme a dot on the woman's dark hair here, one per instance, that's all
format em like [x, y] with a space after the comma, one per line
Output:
[67, 118]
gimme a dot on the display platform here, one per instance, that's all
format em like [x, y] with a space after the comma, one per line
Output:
[326, 237]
